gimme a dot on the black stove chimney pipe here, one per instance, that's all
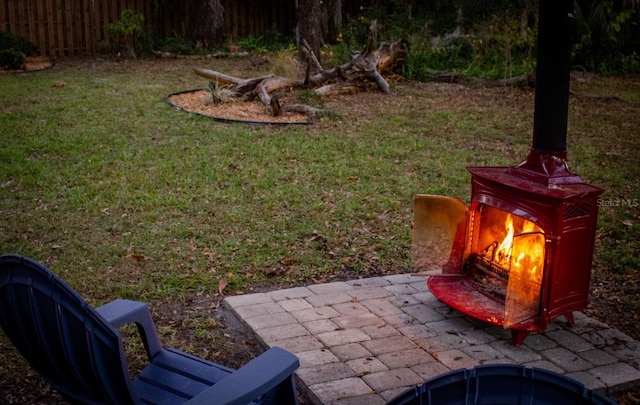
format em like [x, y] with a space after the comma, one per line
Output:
[556, 27]
[547, 160]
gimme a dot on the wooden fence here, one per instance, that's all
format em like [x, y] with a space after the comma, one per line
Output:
[75, 27]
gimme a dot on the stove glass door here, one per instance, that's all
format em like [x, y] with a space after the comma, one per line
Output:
[522, 301]
[439, 229]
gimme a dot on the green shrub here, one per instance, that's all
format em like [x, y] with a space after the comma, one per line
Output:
[608, 38]
[220, 93]
[456, 55]
[14, 50]
[128, 32]
[252, 44]
[630, 63]
[274, 40]
[176, 45]
[495, 39]
[311, 98]
[12, 59]
[338, 54]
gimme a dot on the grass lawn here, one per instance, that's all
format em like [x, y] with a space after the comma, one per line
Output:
[123, 196]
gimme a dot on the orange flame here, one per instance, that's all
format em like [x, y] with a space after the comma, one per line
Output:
[503, 251]
[529, 257]
[518, 253]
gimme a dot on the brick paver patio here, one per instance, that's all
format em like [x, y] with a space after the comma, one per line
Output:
[366, 341]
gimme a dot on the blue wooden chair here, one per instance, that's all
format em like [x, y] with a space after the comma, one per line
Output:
[78, 350]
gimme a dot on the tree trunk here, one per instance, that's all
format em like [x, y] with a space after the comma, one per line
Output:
[331, 20]
[206, 22]
[308, 26]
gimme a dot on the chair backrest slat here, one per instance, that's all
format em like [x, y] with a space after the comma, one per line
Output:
[63, 338]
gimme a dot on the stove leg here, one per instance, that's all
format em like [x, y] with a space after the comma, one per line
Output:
[570, 319]
[518, 336]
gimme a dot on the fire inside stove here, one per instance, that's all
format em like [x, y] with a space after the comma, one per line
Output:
[507, 261]
[519, 256]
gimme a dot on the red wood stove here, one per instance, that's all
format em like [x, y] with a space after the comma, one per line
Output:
[521, 255]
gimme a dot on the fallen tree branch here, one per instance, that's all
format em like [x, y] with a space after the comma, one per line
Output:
[216, 76]
[598, 97]
[516, 81]
[311, 55]
[311, 112]
[339, 88]
[383, 85]
[348, 78]
[260, 87]
[364, 65]
[269, 85]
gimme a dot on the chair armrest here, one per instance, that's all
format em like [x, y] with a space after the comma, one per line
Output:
[121, 312]
[251, 381]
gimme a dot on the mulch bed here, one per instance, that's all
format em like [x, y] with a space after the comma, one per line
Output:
[199, 102]
[33, 64]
